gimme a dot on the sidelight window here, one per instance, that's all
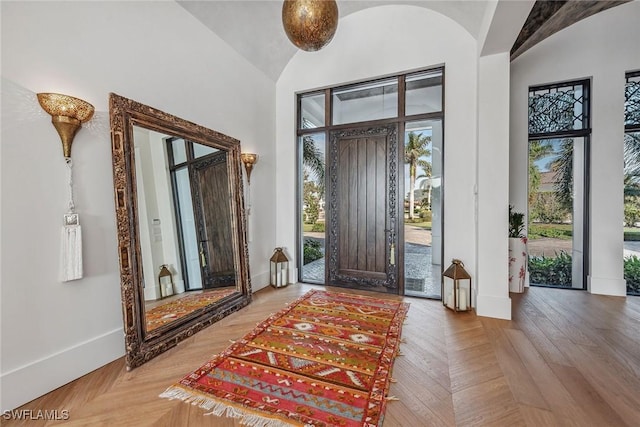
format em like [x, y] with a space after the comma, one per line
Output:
[559, 129]
[632, 183]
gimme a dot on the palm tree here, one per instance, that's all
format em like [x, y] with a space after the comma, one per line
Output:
[415, 148]
[313, 159]
[426, 183]
[538, 149]
[563, 167]
[632, 156]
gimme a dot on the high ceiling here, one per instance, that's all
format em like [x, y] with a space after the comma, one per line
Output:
[254, 28]
[549, 17]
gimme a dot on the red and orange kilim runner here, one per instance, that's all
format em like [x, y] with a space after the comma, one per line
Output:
[325, 360]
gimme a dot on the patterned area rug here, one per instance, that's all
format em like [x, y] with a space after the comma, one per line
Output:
[163, 314]
[325, 360]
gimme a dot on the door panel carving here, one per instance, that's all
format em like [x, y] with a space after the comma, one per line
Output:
[363, 227]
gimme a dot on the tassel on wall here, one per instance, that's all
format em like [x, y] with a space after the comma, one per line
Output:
[71, 250]
[71, 268]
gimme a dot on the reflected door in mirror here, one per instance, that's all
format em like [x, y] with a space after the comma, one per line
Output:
[212, 209]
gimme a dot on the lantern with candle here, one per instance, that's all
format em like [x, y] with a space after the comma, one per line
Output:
[279, 269]
[456, 287]
[165, 281]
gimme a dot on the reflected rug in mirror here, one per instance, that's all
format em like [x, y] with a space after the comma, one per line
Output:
[172, 310]
[324, 360]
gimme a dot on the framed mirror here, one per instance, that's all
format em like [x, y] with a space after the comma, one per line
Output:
[181, 226]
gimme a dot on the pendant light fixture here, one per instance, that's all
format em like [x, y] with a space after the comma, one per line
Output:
[310, 24]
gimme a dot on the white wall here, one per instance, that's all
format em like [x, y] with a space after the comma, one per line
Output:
[380, 41]
[602, 48]
[157, 54]
[493, 187]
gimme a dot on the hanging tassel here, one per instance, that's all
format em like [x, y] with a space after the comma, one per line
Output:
[71, 250]
[71, 268]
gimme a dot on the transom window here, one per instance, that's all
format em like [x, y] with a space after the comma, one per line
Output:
[558, 108]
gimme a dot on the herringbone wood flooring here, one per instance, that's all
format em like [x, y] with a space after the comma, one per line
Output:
[567, 358]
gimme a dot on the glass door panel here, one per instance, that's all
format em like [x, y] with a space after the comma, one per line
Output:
[556, 206]
[313, 207]
[632, 212]
[423, 208]
[188, 228]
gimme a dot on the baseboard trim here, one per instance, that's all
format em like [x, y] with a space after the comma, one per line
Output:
[260, 281]
[30, 381]
[496, 307]
[605, 286]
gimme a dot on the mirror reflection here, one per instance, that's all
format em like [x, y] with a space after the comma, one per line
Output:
[181, 226]
[184, 215]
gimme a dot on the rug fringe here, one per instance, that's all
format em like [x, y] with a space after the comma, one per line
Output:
[221, 409]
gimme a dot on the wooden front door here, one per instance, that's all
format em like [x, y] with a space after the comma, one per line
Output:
[362, 233]
[212, 213]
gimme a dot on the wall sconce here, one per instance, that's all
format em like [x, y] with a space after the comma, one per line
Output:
[310, 24]
[249, 159]
[67, 115]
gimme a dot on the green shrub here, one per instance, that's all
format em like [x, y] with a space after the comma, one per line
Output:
[632, 236]
[312, 250]
[632, 274]
[318, 227]
[546, 207]
[312, 211]
[554, 231]
[554, 271]
[631, 210]
[425, 215]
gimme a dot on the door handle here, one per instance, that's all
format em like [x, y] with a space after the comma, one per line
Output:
[392, 254]
[203, 259]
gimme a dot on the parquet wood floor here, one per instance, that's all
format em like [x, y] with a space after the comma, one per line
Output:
[567, 358]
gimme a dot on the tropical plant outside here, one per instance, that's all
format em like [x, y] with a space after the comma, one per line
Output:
[313, 179]
[312, 250]
[416, 148]
[547, 270]
[556, 271]
[632, 274]
[313, 191]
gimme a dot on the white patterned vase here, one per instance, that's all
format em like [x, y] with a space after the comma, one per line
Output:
[517, 263]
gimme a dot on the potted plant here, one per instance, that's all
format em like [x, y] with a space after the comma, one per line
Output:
[517, 251]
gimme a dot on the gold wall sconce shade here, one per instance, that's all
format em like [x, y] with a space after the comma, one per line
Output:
[249, 159]
[310, 24]
[67, 115]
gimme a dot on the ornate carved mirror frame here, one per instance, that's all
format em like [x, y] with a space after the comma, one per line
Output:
[142, 345]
